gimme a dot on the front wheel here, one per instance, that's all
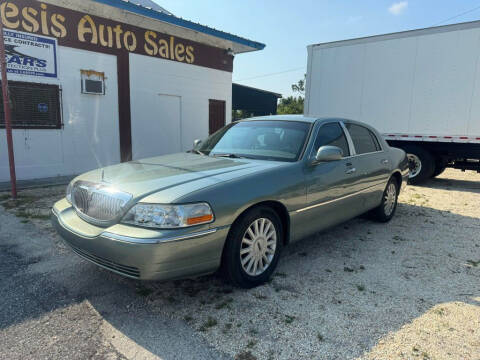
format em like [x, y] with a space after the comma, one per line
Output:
[253, 248]
[385, 211]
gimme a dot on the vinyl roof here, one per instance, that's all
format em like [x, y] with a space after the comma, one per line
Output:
[141, 7]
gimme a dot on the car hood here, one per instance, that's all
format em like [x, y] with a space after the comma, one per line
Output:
[174, 175]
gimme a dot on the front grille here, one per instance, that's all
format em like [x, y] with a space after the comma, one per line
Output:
[98, 203]
[130, 271]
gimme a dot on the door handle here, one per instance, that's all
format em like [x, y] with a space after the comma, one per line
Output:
[350, 171]
[385, 161]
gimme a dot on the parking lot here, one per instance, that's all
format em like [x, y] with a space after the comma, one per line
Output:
[408, 289]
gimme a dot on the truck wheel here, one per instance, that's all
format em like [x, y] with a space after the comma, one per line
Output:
[420, 162]
[253, 248]
[439, 168]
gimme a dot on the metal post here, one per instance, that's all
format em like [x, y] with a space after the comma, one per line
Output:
[7, 113]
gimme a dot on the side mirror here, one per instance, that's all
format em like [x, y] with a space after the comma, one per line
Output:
[196, 143]
[328, 153]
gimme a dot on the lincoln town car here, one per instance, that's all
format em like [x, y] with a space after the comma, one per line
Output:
[232, 202]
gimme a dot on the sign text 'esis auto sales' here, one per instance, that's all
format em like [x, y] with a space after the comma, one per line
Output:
[36, 17]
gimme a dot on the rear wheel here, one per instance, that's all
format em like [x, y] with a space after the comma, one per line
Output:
[385, 211]
[253, 248]
[440, 167]
[420, 162]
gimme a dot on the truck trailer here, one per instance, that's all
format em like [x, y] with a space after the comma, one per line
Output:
[419, 88]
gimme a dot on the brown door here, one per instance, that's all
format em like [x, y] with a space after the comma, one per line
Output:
[216, 117]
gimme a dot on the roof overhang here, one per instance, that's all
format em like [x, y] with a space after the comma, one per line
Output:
[192, 30]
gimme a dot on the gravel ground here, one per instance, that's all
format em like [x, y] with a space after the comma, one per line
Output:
[408, 289]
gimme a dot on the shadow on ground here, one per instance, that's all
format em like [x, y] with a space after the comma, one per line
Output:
[334, 294]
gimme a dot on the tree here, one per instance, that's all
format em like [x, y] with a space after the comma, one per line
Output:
[293, 104]
[290, 105]
[300, 85]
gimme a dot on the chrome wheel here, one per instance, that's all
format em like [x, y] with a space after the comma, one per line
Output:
[414, 164]
[390, 199]
[258, 246]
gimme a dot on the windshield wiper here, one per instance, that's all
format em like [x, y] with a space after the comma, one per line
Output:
[194, 151]
[229, 155]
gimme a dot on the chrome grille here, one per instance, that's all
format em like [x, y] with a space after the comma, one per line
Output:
[98, 203]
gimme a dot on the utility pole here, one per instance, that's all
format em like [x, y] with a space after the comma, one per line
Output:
[7, 113]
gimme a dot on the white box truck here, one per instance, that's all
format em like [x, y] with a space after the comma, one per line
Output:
[420, 89]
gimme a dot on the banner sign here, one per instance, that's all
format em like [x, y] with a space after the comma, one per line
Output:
[29, 54]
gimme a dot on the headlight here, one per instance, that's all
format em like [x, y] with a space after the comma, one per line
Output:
[68, 195]
[169, 216]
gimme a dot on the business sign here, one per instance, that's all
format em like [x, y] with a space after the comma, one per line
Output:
[29, 54]
[87, 31]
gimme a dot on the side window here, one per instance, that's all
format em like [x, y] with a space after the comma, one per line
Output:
[332, 134]
[363, 139]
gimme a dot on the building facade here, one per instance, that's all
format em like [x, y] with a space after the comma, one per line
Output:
[96, 82]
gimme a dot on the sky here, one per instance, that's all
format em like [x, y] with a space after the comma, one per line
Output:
[287, 27]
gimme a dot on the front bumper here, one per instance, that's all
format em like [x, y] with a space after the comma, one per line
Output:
[142, 253]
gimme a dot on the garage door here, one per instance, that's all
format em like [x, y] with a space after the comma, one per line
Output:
[157, 130]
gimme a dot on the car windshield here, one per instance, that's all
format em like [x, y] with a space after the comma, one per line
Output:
[259, 139]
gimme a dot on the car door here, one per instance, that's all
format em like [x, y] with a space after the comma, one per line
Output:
[372, 161]
[330, 186]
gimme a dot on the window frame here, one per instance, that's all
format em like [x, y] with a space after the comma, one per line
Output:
[372, 134]
[58, 110]
[351, 148]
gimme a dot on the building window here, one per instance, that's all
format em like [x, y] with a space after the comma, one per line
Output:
[33, 106]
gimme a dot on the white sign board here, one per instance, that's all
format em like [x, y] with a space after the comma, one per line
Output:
[29, 54]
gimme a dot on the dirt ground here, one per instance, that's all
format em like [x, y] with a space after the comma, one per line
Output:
[409, 289]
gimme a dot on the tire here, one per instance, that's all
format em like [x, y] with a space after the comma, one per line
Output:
[439, 168]
[386, 210]
[421, 163]
[238, 241]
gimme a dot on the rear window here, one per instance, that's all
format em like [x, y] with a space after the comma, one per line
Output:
[363, 139]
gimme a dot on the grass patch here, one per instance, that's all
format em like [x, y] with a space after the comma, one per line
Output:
[360, 288]
[289, 319]
[227, 328]
[20, 201]
[320, 337]
[260, 296]
[473, 263]
[439, 312]
[188, 318]
[245, 355]
[209, 323]
[224, 304]
[39, 216]
[251, 344]
[348, 269]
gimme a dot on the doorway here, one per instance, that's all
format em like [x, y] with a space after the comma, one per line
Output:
[216, 115]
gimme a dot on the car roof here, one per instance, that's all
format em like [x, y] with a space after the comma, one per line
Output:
[301, 118]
